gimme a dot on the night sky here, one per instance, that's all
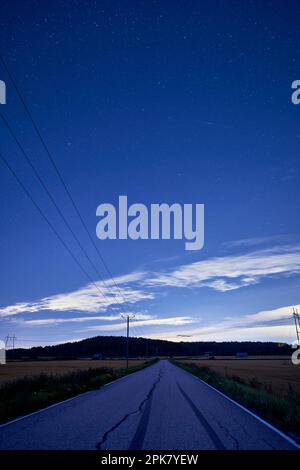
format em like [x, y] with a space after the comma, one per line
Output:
[162, 101]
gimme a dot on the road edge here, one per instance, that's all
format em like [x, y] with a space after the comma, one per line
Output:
[254, 415]
[20, 418]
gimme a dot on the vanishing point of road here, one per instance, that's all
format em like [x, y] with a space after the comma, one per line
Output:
[161, 407]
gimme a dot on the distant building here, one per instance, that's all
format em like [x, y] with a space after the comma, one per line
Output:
[241, 355]
[97, 357]
[208, 355]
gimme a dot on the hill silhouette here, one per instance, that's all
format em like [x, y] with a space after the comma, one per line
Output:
[115, 346]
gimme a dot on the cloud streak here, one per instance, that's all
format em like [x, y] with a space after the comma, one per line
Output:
[255, 241]
[172, 321]
[266, 325]
[231, 272]
[92, 298]
[221, 274]
[59, 321]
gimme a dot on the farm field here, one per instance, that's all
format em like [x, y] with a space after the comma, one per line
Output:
[18, 370]
[276, 375]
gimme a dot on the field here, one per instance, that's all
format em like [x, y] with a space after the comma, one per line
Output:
[18, 370]
[40, 384]
[279, 376]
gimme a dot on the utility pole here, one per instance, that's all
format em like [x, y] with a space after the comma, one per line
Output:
[297, 323]
[128, 317]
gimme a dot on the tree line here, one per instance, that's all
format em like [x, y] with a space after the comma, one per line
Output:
[115, 346]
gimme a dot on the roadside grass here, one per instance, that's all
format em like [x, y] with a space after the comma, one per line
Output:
[282, 411]
[32, 393]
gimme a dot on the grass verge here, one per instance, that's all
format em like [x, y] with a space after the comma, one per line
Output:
[33, 393]
[282, 411]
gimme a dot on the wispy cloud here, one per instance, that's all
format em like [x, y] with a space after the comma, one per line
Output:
[172, 321]
[255, 241]
[266, 325]
[90, 298]
[273, 333]
[86, 319]
[231, 272]
[223, 273]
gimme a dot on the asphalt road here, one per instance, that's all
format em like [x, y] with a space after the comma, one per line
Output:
[161, 407]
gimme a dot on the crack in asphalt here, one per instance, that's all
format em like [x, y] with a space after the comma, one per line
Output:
[248, 434]
[138, 410]
[237, 445]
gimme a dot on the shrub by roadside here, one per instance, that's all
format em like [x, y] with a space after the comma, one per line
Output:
[284, 412]
[30, 394]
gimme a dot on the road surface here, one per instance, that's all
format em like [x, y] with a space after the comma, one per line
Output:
[161, 407]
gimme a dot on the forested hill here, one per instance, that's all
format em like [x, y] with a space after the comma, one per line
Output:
[115, 346]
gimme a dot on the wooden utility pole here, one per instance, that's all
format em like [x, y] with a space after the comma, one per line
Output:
[128, 318]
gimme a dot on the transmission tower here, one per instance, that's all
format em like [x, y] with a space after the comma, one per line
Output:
[10, 340]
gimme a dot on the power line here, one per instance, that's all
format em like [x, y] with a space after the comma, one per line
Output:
[44, 186]
[50, 157]
[139, 329]
[38, 176]
[32, 340]
[49, 223]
